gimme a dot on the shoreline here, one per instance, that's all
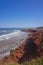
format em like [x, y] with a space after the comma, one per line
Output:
[10, 44]
[19, 54]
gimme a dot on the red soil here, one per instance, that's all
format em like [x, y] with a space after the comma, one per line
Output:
[30, 48]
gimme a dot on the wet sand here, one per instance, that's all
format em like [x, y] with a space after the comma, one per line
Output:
[9, 44]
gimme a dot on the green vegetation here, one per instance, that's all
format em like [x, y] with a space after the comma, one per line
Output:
[11, 63]
[40, 28]
[38, 61]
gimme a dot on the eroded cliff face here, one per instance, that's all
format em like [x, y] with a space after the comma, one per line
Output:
[31, 47]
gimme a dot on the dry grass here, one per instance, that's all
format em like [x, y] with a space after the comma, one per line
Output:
[38, 61]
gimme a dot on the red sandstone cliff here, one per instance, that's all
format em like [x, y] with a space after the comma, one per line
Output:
[30, 48]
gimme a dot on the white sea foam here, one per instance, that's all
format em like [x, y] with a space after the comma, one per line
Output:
[10, 35]
[7, 36]
[11, 41]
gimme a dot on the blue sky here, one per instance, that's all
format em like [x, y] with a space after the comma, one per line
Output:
[21, 13]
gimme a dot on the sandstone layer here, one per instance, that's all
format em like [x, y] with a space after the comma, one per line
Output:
[31, 47]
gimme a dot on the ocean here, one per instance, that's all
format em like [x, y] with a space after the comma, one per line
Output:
[6, 33]
[8, 30]
[10, 38]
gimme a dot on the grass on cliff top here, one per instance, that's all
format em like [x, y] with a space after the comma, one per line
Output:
[38, 61]
[11, 63]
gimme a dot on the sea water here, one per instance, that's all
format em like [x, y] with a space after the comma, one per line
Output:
[10, 38]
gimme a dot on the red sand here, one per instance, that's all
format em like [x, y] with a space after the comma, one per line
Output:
[30, 48]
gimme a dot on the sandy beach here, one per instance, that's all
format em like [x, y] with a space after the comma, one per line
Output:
[9, 44]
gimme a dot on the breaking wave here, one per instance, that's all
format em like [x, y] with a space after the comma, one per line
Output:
[10, 35]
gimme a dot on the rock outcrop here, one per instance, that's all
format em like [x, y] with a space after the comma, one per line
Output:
[30, 48]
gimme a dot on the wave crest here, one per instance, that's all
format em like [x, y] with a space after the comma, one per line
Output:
[10, 35]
